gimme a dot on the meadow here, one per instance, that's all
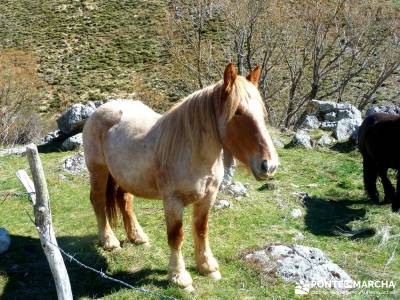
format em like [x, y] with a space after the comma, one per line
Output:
[337, 218]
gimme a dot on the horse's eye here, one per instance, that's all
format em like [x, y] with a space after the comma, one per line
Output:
[238, 112]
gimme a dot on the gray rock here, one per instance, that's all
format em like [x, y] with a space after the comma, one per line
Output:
[278, 143]
[345, 128]
[310, 122]
[327, 125]
[13, 151]
[5, 240]
[322, 107]
[53, 136]
[301, 139]
[325, 140]
[72, 143]
[229, 168]
[299, 264]
[75, 164]
[220, 204]
[352, 113]
[296, 213]
[331, 117]
[298, 236]
[236, 189]
[388, 109]
[73, 119]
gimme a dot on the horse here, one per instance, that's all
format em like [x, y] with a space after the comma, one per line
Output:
[379, 144]
[131, 150]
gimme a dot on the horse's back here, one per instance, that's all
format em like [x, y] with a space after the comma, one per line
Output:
[379, 139]
[136, 117]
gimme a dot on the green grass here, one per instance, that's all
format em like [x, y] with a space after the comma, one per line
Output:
[88, 50]
[337, 205]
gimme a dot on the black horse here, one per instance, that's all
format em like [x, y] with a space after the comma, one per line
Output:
[379, 143]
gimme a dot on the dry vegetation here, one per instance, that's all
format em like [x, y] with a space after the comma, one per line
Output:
[337, 50]
[161, 51]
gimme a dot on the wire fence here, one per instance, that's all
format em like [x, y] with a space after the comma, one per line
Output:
[103, 275]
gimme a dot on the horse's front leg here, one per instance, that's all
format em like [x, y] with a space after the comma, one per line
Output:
[177, 274]
[206, 263]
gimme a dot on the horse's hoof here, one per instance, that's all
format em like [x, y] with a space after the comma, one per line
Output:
[215, 275]
[111, 244]
[189, 289]
[181, 279]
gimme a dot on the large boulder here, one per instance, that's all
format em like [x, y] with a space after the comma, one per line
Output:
[346, 128]
[73, 119]
[387, 109]
[298, 264]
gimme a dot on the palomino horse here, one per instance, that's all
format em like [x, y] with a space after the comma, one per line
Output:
[131, 150]
[379, 145]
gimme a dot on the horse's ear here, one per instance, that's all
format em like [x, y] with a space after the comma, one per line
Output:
[230, 75]
[254, 75]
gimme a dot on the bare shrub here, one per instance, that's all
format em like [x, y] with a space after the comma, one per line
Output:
[325, 49]
[20, 94]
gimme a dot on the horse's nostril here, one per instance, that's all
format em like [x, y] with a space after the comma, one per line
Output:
[264, 166]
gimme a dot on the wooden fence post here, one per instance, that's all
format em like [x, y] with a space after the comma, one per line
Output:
[41, 208]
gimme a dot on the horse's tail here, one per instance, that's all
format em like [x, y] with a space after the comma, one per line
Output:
[113, 195]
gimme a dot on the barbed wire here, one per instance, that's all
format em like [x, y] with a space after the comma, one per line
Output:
[101, 273]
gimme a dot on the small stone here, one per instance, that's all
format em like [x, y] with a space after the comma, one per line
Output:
[296, 213]
[298, 236]
[236, 189]
[301, 139]
[325, 140]
[220, 204]
[75, 163]
[5, 240]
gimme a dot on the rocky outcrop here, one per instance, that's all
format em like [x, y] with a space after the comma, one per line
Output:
[302, 265]
[387, 109]
[342, 119]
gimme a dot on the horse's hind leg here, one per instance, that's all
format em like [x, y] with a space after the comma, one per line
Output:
[133, 229]
[98, 197]
[396, 202]
[370, 176]
[205, 261]
[390, 192]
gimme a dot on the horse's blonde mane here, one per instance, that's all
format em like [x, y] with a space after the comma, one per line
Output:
[193, 120]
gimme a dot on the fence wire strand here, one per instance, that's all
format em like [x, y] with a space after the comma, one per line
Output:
[101, 273]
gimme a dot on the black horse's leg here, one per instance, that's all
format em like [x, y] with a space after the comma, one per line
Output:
[370, 175]
[390, 192]
[396, 202]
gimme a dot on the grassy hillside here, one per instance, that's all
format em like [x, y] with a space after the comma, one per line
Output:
[88, 49]
[360, 237]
